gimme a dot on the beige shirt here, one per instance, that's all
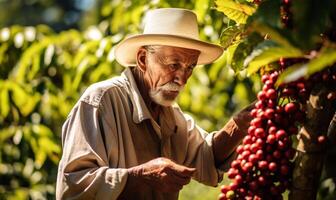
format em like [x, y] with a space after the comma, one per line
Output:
[111, 129]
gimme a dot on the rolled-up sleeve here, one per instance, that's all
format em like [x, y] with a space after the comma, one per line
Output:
[200, 154]
[84, 171]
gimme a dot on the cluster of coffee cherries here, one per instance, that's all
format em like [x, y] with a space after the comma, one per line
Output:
[301, 88]
[262, 169]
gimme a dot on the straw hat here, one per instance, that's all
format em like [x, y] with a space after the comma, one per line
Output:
[171, 27]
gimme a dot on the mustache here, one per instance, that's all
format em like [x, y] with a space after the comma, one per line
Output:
[171, 86]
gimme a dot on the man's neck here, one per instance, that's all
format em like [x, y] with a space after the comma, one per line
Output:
[143, 87]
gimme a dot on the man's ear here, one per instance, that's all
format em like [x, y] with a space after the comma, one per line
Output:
[141, 59]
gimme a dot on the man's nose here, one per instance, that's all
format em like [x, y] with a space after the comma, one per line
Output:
[181, 77]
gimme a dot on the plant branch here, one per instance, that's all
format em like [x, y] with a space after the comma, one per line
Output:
[311, 154]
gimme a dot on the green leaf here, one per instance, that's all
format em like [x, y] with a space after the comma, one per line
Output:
[4, 99]
[84, 51]
[292, 73]
[18, 193]
[23, 99]
[229, 35]
[44, 29]
[229, 53]
[50, 147]
[106, 10]
[40, 154]
[19, 95]
[41, 130]
[82, 67]
[268, 52]
[100, 72]
[42, 144]
[326, 58]
[201, 9]
[36, 66]
[276, 34]
[3, 52]
[236, 11]
[243, 50]
[6, 133]
[216, 68]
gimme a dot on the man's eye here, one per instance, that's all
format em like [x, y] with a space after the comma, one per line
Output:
[191, 68]
[174, 66]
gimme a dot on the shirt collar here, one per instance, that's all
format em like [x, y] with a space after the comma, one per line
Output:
[140, 110]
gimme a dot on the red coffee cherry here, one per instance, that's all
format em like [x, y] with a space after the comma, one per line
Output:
[291, 107]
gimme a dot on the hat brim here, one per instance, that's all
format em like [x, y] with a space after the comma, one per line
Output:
[125, 51]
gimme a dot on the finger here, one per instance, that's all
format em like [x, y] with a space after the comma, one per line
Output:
[169, 175]
[183, 171]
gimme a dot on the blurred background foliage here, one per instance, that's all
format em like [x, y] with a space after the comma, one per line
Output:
[51, 51]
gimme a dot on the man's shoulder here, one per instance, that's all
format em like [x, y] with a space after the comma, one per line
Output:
[178, 113]
[94, 93]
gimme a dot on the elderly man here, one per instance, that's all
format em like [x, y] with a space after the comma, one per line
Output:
[126, 139]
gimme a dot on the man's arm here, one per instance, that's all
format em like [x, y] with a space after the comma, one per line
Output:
[229, 137]
[84, 171]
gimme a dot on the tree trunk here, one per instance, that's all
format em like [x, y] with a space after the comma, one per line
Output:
[310, 153]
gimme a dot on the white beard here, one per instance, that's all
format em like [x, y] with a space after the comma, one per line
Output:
[160, 94]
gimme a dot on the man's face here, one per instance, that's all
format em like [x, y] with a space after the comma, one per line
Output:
[167, 71]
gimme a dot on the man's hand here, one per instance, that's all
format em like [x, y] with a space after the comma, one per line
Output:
[229, 137]
[243, 118]
[162, 174]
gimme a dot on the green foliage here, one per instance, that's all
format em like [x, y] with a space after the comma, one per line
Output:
[267, 52]
[235, 11]
[324, 59]
[230, 35]
[309, 37]
[43, 73]
[280, 41]
[243, 50]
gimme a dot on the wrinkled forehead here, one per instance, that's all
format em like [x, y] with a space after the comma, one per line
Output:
[171, 50]
[174, 54]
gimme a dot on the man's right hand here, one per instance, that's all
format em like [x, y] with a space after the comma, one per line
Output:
[161, 174]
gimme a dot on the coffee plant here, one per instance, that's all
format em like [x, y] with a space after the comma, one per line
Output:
[288, 46]
[293, 126]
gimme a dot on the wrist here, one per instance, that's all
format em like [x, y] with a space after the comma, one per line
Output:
[133, 183]
[135, 176]
[135, 173]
